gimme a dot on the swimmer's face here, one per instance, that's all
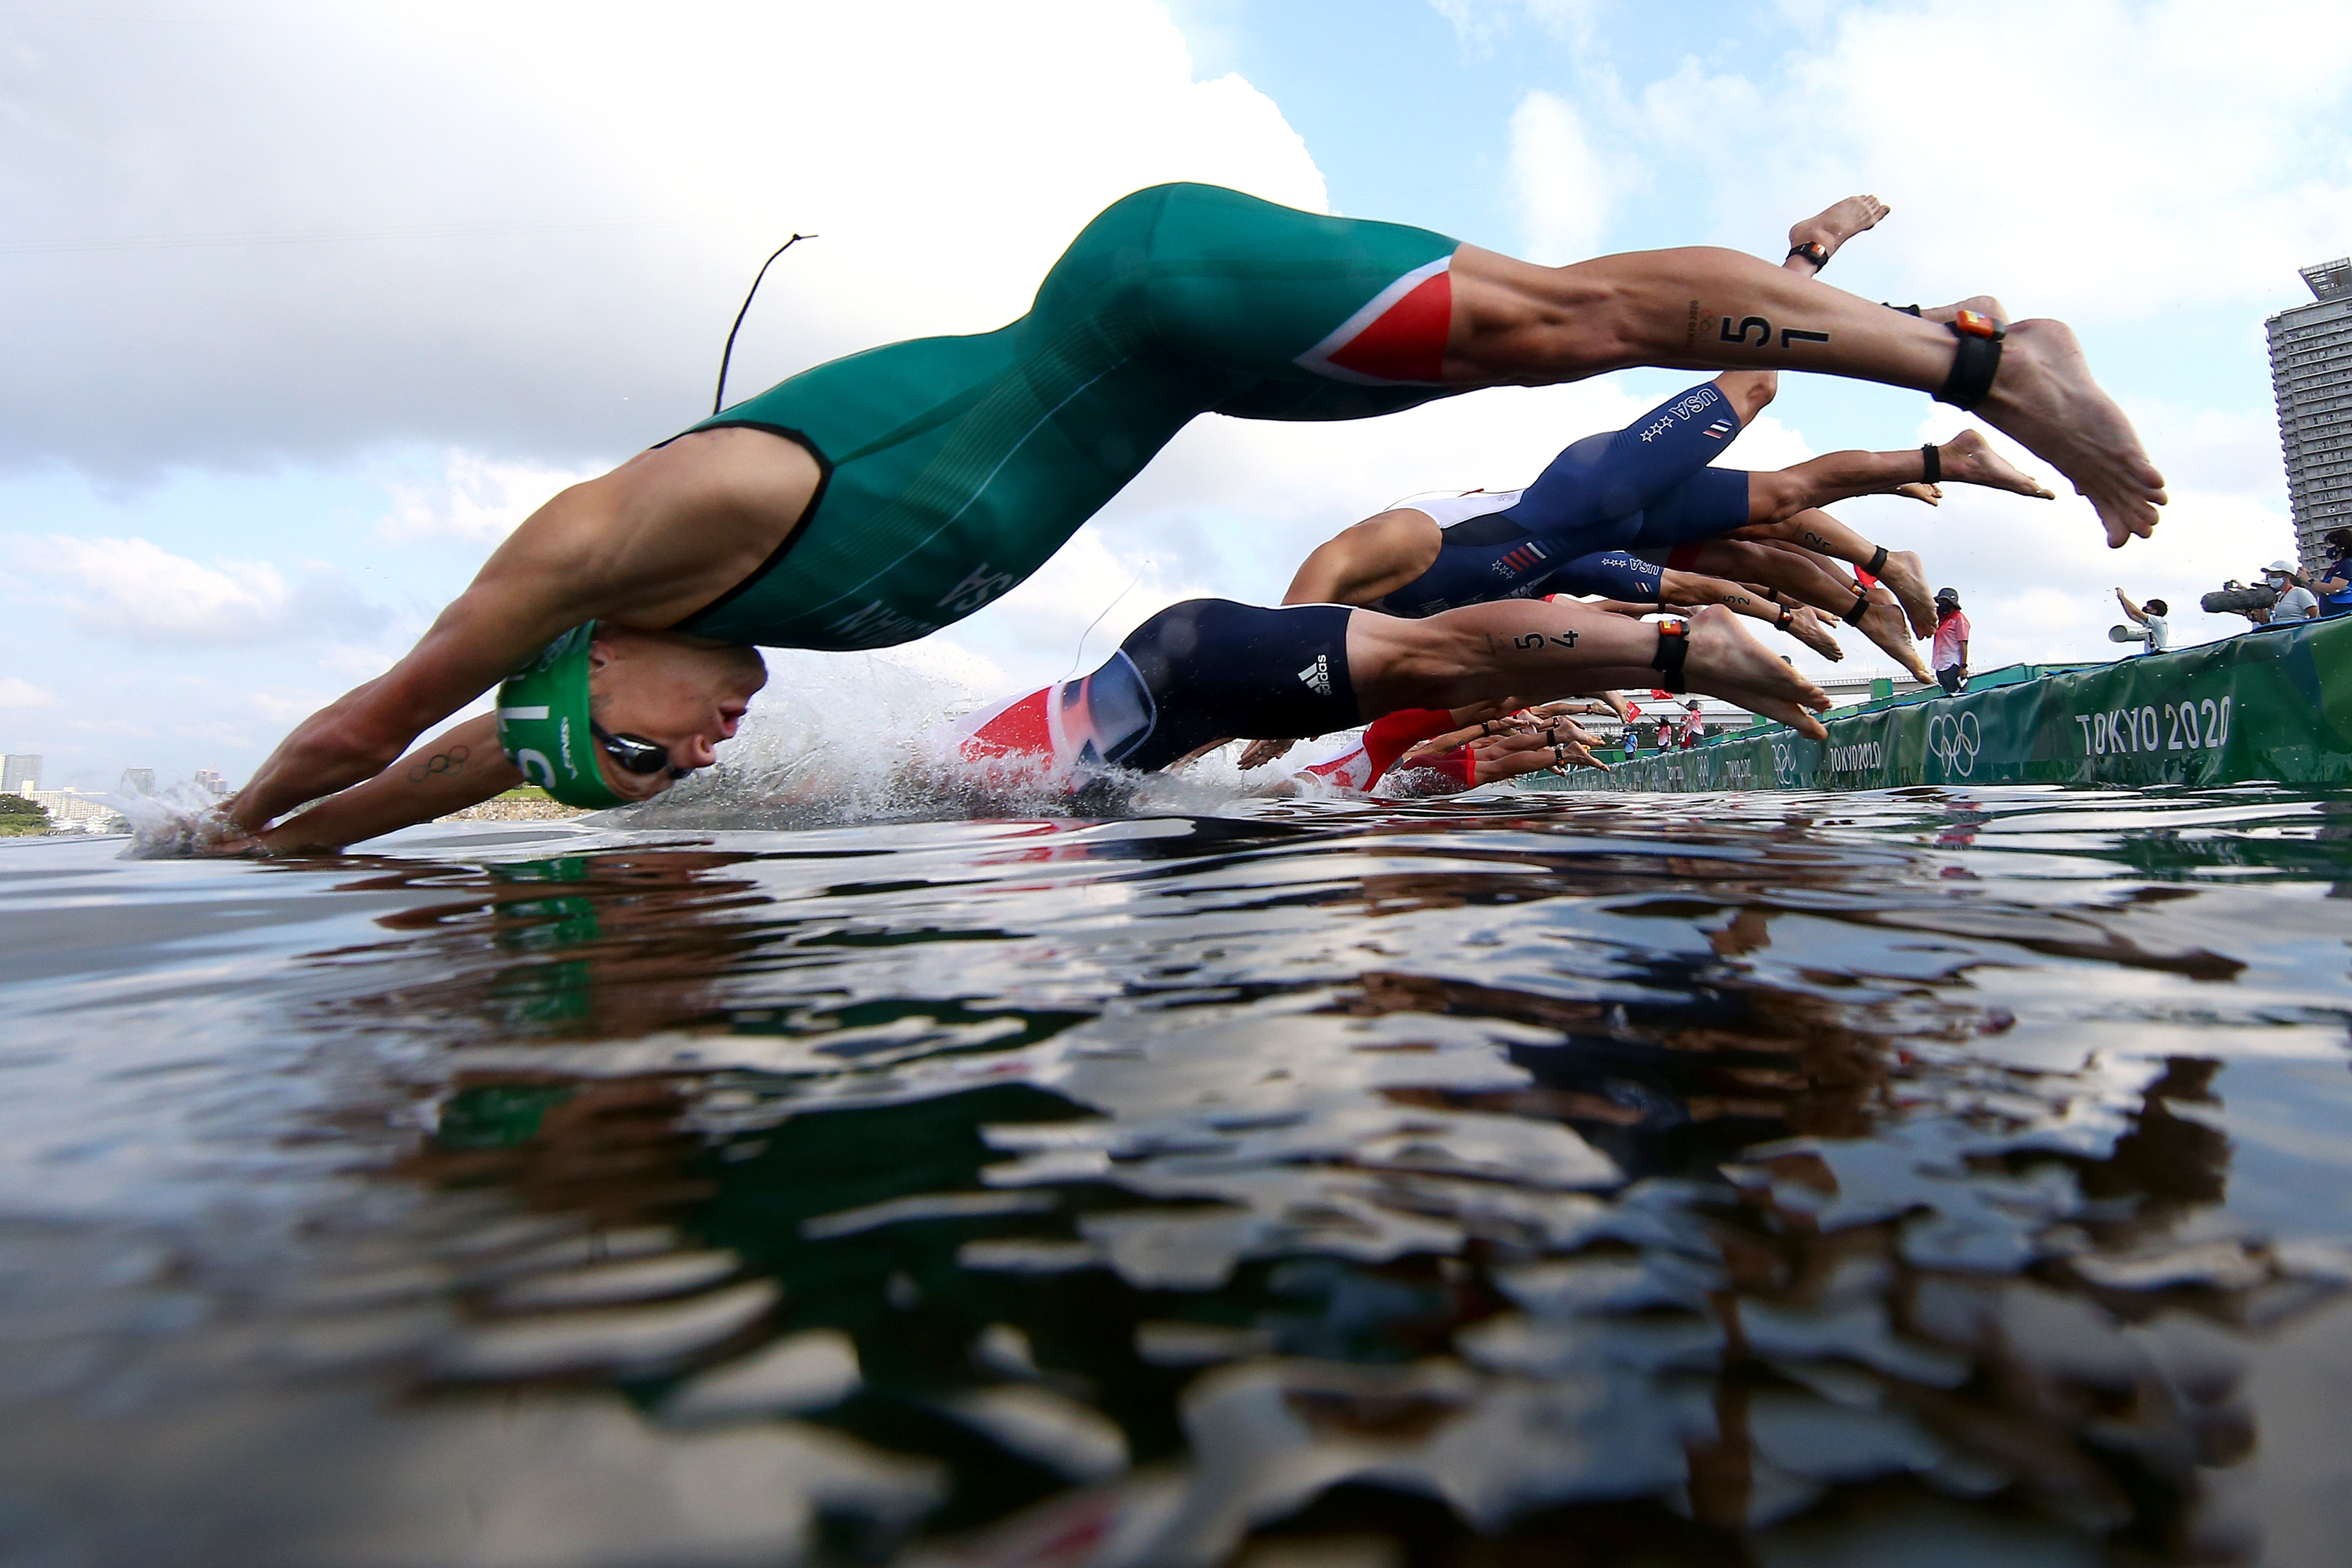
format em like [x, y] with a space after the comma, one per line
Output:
[682, 694]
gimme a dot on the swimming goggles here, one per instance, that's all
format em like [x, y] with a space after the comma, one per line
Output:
[635, 754]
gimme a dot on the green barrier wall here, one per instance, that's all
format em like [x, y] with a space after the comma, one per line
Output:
[2271, 705]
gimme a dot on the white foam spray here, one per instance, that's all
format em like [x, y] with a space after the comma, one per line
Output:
[843, 739]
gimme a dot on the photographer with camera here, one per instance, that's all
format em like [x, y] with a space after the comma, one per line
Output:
[2295, 602]
[2154, 616]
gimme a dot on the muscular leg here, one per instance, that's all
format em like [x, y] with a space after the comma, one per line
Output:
[1797, 573]
[1515, 323]
[1968, 458]
[1818, 531]
[1689, 590]
[1483, 651]
[1751, 390]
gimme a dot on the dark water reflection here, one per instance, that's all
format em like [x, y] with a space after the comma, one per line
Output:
[1911, 1178]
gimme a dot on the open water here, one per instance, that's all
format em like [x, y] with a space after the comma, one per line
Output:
[1925, 1178]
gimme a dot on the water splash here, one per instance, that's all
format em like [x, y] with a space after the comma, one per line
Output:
[176, 821]
[873, 740]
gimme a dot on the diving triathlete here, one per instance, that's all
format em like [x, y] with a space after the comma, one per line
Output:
[877, 498]
[1207, 669]
[1647, 489]
[1647, 492]
[1417, 752]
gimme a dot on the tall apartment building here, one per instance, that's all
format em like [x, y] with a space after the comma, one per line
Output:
[20, 773]
[2311, 370]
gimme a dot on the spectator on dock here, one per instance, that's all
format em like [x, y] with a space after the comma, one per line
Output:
[2154, 616]
[2295, 602]
[1691, 727]
[2333, 581]
[1951, 652]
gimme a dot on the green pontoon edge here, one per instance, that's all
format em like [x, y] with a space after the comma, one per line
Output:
[2271, 705]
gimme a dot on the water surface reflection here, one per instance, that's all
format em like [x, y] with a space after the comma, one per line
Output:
[1774, 1180]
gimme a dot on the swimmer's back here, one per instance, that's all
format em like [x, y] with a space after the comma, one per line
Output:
[956, 466]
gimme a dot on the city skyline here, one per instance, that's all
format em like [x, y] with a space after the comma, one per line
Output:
[2311, 378]
[21, 774]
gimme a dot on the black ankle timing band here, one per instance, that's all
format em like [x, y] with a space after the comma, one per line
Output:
[1877, 567]
[1931, 461]
[1673, 648]
[1974, 360]
[1861, 607]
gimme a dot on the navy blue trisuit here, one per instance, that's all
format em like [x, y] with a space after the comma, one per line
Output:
[1601, 518]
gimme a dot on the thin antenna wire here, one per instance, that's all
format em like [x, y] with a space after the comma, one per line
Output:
[719, 399]
[1079, 658]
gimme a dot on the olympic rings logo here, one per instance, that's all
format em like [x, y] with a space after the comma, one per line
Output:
[1957, 740]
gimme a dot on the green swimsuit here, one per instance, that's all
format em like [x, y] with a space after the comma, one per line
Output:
[955, 467]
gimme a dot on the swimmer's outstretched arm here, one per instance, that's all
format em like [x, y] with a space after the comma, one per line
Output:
[461, 766]
[644, 546]
[516, 605]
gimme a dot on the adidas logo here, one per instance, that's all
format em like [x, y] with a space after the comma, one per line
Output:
[1317, 676]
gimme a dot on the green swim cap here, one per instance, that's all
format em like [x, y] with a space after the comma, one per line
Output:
[544, 725]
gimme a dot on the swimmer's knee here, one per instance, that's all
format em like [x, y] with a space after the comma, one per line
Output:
[1774, 497]
[1749, 391]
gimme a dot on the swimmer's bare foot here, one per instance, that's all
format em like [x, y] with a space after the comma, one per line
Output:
[1887, 628]
[1725, 661]
[1834, 225]
[1573, 732]
[1906, 576]
[1931, 494]
[2044, 397]
[1969, 458]
[1806, 625]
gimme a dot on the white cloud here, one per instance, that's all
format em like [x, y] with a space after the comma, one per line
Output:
[2113, 160]
[1480, 23]
[1564, 188]
[134, 590]
[19, 694]
[477, 500]
[943, 151]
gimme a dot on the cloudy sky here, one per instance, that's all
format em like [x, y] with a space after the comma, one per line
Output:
[305, 305]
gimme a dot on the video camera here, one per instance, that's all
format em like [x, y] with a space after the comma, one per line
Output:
[2234, 598]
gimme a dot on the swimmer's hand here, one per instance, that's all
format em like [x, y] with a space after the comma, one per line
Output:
[209, 835]
[1260, 753]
